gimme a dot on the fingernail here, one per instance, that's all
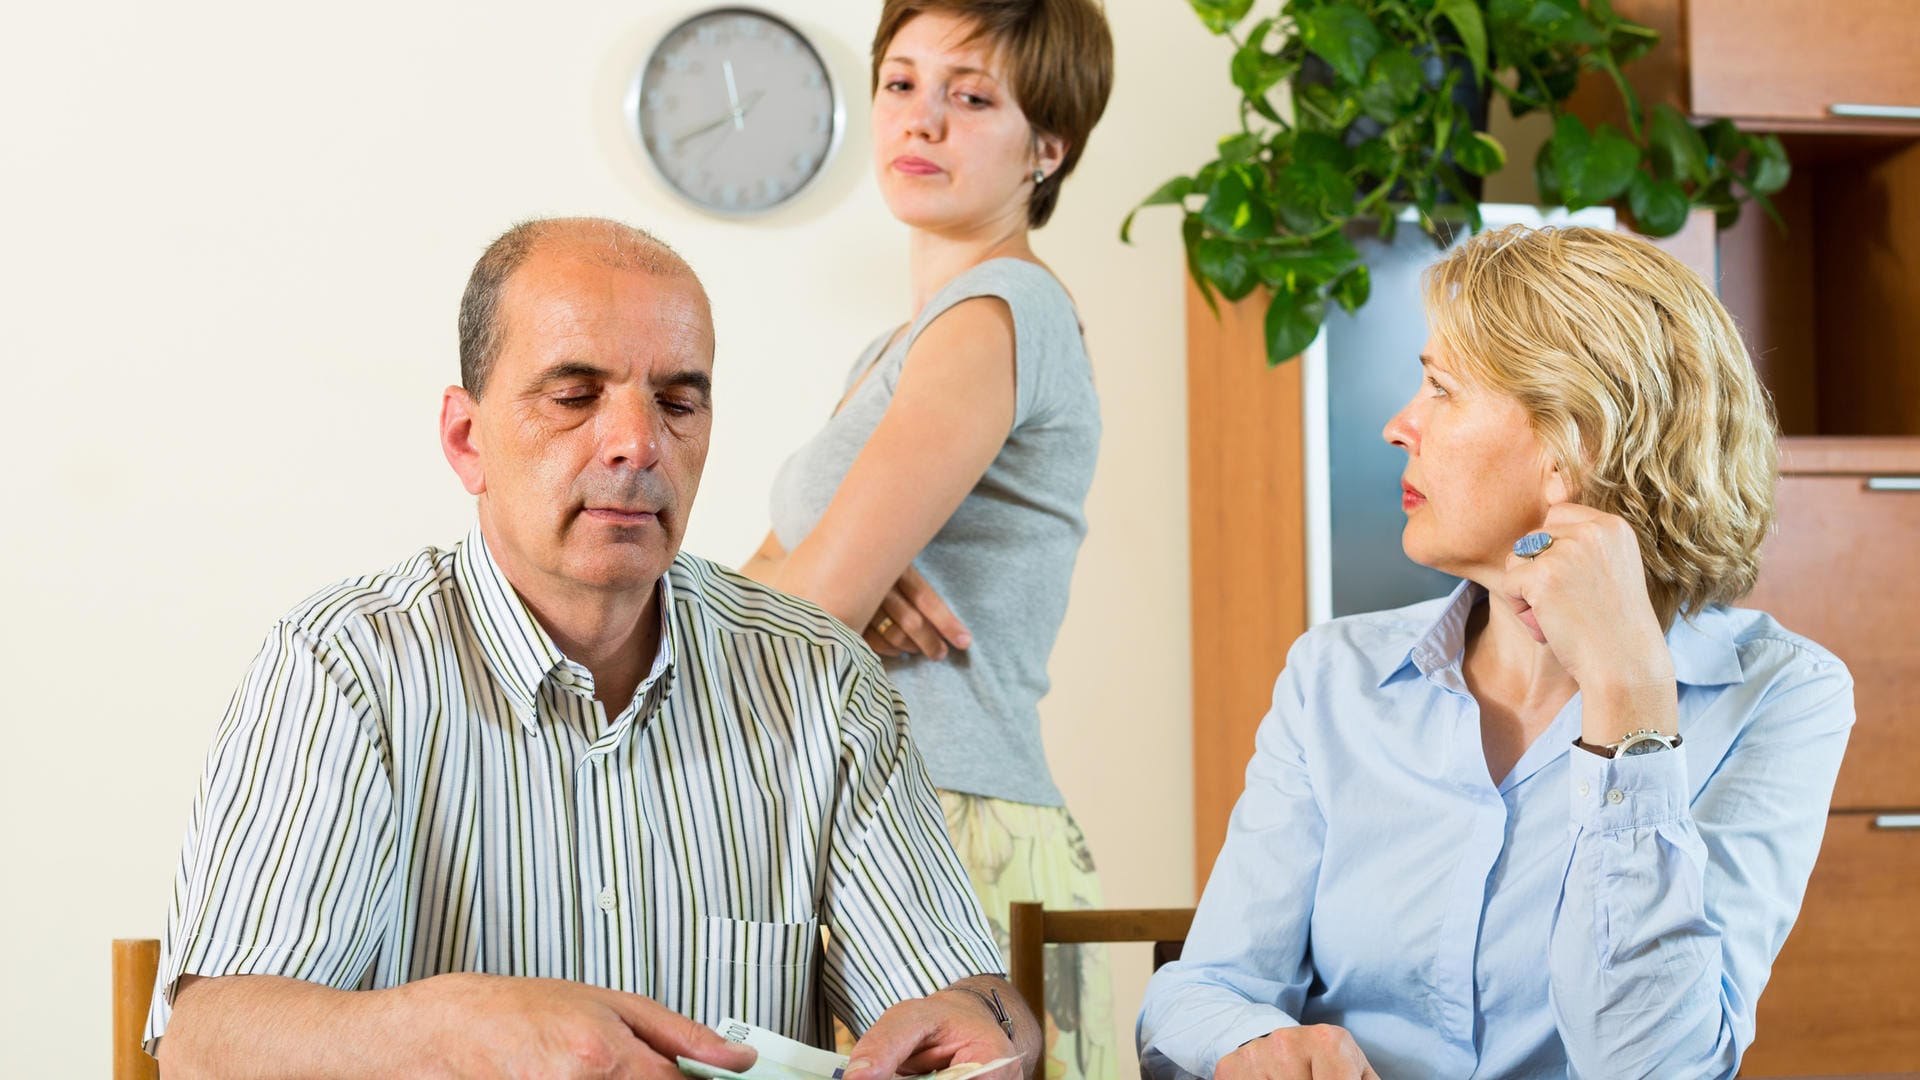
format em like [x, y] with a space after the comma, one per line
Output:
[857, 1065]
[964, 640]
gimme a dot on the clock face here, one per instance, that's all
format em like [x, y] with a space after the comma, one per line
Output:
[736, 111]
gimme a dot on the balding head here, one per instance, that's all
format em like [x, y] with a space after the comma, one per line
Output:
[599, 240]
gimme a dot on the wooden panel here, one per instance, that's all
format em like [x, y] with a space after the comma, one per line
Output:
[1247, 499]
[1118, 924]
[1867, 288]
[135, 962]
[1845, 993]
[1766, 283]
[1791, 59]
[1840, 570]
[1848, 456]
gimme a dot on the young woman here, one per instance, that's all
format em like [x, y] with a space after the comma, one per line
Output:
[939, 510]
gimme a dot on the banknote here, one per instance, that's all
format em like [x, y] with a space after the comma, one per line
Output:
[782, 1058]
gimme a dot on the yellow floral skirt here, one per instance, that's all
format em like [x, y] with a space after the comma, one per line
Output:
[1019, 851]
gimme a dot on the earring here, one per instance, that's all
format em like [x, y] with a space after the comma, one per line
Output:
[1039, 177]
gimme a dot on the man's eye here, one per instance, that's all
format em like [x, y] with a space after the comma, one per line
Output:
[676, 407]
[575, 400]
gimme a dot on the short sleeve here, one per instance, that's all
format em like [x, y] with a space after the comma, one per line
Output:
[288, 861]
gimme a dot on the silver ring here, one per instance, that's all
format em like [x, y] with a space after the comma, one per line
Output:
[1531, 545]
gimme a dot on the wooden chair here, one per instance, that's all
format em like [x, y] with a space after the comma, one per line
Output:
[135, 961]
[1031, 927]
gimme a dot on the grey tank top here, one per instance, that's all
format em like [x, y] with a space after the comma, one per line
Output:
[1003, 561]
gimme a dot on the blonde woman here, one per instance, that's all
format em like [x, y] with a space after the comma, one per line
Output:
[1560, 822]
[940, 509]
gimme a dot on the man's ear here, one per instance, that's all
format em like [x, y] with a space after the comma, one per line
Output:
[459, 441]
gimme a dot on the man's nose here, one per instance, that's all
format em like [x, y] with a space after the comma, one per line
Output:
[630, 428]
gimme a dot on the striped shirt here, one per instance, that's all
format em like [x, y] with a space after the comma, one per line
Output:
[414, 780]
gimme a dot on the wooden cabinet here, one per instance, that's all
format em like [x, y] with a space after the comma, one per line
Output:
[1845, 993]
[1760, 61]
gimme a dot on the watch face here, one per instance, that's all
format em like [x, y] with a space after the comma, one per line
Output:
[736, 110]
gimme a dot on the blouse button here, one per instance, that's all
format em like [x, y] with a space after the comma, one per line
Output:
[1616, 796]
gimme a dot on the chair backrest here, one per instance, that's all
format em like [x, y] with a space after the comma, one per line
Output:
[135, 961]
[1031, 928]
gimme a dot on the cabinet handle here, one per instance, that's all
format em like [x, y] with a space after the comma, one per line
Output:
[1897, 821]
[1877, 112]
[1893, 483]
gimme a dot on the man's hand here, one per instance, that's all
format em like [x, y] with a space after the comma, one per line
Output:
[951, 1027]
[514, 1027]
[913, 619]
[1314, 1052]
[462, 1025]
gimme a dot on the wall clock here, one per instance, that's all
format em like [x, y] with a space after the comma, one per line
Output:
[736, 111]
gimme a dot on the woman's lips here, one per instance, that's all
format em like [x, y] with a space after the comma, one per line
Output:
[1410, 497]
[914, 166]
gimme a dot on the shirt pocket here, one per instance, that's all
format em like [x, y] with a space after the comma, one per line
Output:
[759, 972]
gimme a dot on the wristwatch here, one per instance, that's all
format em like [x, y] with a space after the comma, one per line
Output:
[1643, 741]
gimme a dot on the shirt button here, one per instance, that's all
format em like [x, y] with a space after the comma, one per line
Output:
[1586, 789]
[1616, 796]
[606, 900]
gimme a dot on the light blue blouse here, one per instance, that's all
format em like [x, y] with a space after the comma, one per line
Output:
[1584, 916]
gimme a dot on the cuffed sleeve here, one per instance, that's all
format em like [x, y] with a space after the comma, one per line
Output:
[1674, 903]
[1243, 972]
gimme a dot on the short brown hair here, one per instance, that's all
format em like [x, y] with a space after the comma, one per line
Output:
[1059, 63]
[1635, 379]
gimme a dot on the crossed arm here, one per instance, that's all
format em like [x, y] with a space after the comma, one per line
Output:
[949, 416]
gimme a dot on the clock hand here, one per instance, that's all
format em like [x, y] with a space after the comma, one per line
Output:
[733, 98]
[735, 115]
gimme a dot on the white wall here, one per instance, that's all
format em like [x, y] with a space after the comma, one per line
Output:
[235, 241]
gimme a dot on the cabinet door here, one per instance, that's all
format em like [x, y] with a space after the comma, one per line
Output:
[1844, 570]
[1845, 993]
[1795, 59]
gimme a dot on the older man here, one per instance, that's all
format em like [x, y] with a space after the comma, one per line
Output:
[524, 806]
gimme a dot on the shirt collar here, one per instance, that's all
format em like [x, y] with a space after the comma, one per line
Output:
[1703, 652]
[518, 649]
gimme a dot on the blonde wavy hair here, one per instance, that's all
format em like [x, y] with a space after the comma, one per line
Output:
[1636, 381]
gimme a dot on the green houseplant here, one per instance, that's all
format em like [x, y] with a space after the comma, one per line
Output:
[1381, 119]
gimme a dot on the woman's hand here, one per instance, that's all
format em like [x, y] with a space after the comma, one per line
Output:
[1313, 1052]
[1585, 597]
[913, 619]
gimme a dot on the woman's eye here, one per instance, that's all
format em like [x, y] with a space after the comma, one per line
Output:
[1439, 391]
[974, 101]
[897, 85]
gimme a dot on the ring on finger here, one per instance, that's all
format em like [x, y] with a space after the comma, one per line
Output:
[1531, 545]
[883, 624]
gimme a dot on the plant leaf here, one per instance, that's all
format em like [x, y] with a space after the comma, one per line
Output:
[1221, 16]
[1293, 321]
[1235, 149]
[1344, 37]
[1353, 288]
[1678, 150]
[1226, 264]
[1659, 206]
[1768, 171]
[1232, 209]
[1591, 168]
[1171, 192]
[1191, 231]
[1295, 267]
[1480, 154]
[1472, 28]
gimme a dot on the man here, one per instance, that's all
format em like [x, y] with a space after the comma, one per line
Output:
[525, 806]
